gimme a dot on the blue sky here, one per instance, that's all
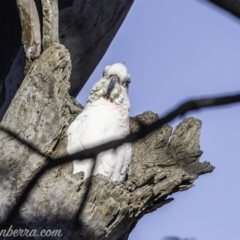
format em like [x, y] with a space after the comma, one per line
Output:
[176, 50]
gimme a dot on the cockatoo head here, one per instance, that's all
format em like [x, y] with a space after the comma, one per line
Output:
[113, 85]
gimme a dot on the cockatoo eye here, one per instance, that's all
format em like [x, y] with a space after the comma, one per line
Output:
[126, 84]
[104, 73]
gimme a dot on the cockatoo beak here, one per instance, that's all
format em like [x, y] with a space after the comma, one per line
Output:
[111, 85]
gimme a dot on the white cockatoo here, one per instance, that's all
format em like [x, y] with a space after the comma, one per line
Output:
[105, 118]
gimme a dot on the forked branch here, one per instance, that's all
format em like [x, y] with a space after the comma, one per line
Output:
[133, 137]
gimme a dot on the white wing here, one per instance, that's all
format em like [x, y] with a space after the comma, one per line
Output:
[115, 164]
[99, 122]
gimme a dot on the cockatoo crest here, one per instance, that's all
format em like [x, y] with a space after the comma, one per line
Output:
[113, 85]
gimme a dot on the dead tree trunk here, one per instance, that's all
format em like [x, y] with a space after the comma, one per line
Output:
[41, 111]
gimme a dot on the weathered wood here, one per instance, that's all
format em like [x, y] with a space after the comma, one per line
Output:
[97, 20]
[86, 29]
[31, 36]
[35, 113]
[41, 112]
[50, 23]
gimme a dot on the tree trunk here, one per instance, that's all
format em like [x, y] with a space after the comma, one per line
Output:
[86, 29]
[40, 113]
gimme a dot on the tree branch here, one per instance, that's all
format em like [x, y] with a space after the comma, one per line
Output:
[92, 152]
[50, 23]
[232, 6]
[31, 36]
[86, 28]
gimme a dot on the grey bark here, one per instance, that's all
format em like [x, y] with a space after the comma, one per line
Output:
[86, 28]
[40, 112]
[31, 36]
[50, 22]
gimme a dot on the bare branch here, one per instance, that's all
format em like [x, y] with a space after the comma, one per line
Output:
[50, 23]
[232, 6]
[92, 152]
[31, 36]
